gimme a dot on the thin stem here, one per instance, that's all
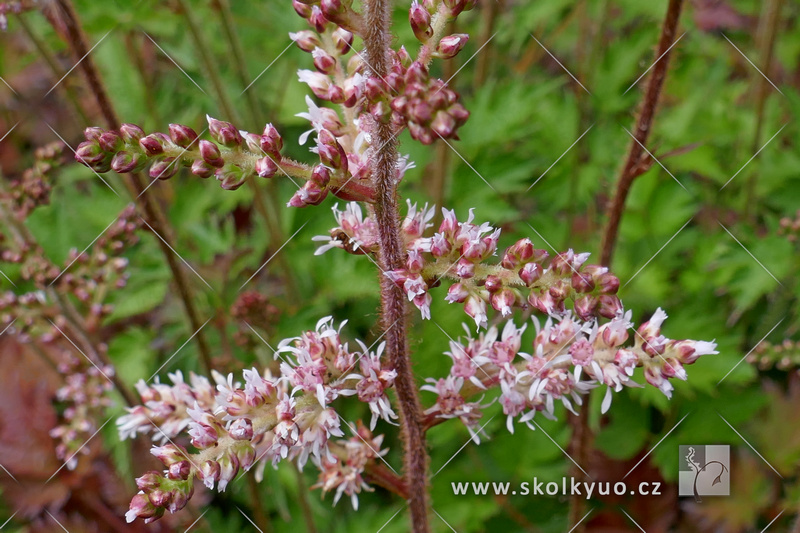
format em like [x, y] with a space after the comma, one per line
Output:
[767, 30]
[259, 513]
[273, 226]
[302, 494]
[52, 62]
[135, 184]
[391, 256]
[634, 162]
[235, 46]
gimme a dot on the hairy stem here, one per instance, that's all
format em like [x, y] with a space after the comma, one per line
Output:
[635, 161]
[135, 184]
[391, 256]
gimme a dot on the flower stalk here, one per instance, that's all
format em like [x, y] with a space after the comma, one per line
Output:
[392, 256]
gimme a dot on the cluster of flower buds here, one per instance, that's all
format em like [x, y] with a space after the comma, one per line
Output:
[569, 357]
[784, 356]
[266, 420]
[790, 227]
[343, 471]
[233, 157]
[85, 397]
[425, 105]
[32, 189]
[88, 277]
[525, 277]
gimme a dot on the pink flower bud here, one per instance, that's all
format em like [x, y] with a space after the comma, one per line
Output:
[182, 135]
[531, 273]
[241, 429]
[179, 470]
[457, 293]
[125, 162]
[475, 307]
[608, 283]
[164, 168]
[169, 453]
[342, 40]
[465, 268]
[415, 262]
[420, 21]
[309, 194]
[330, 151]
[317, 19]
[202, 169]
[320, 176]
[585, 307]
[451, 45]
[228, 468]
[93, 133]
[209, 473]
[211, 154]
[89, 153]
[306, 40]
[673, 369]
[251, 141]
[266, 167]
[582, 282]
[493, 283]
[301, 8]
[503, 301]
[332, 8]
[271, 141]
[149, 481]
[444, 124]
[142, 507]
[152, 144]
[110, 142]
[231, 177]
[130, 133]
[180, 497]
[323, 61]
[223, 132]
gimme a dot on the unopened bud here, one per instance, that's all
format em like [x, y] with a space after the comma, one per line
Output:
[164, 168]
[266, 167]
[451, 45]
[420, 20]
[306, 40]
[182, 135]
[223, 132]
[211, 154]
[131, 133]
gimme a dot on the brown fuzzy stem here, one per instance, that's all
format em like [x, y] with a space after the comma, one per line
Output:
[392, 256]
[135, 184]
[635, 161]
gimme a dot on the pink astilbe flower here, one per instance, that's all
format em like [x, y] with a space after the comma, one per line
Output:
[569, 358]
[265, 420]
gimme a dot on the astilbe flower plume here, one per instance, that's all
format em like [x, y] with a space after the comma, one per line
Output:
[267, 419]
[525, 277]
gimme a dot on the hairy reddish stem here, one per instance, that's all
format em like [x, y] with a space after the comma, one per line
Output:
[391, 257]
[637, 160]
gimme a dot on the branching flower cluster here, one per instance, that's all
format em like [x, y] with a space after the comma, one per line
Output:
[267, 419]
